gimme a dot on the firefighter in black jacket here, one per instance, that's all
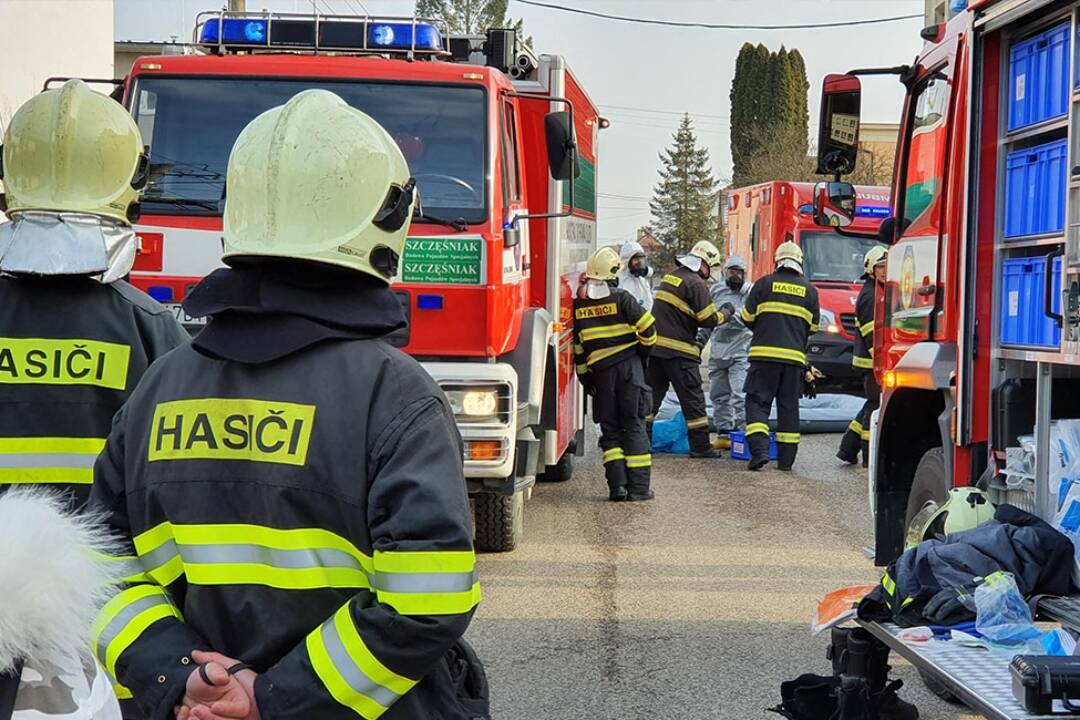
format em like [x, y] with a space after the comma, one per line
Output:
[858, 432]
[74, 337]
[612, 334]
[783, 311]
[682, 306]
[291, 486]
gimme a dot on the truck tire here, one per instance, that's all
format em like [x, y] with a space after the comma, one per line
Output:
[499, 521]
[561, 471]
[929, 489]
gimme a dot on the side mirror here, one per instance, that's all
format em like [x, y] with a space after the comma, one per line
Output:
[838, 131]
[561, 146]
[834, 204]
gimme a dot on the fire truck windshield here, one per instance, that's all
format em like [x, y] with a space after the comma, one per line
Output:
[831, 257]
[191, 123]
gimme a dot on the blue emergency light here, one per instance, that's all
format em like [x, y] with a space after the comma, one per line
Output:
[400, 36]
[872, 211]
[161, 293]
[429, 302]
[234, 31]
[301, 32]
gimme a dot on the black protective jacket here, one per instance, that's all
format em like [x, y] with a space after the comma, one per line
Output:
[609, 330]
[682, 306]
[302, 509]
[783, 312]
[71, 352]
[863, 352]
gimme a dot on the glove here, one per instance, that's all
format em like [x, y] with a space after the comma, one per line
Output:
[809, 388]
[947, 607]
[588, 384]
[728, 309]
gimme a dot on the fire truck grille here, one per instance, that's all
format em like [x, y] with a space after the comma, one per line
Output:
[848, 321]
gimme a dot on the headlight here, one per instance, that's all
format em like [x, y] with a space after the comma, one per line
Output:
[828, 322]
[474, 405]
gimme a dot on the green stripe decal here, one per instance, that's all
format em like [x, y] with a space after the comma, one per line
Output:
[584, 188]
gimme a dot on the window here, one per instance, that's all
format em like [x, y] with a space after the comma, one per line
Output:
[831, 257]
[923, 178]
[511, 171]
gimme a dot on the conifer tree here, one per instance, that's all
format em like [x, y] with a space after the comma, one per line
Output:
[684, 204]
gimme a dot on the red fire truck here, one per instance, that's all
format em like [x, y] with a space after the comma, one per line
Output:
[978, 340]
[492, 134]
[760, 217]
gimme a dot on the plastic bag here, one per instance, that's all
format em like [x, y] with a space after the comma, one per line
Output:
[1001, 614]
[670, 436]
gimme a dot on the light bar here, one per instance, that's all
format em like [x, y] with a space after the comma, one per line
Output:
[871, 211]
[333, 32]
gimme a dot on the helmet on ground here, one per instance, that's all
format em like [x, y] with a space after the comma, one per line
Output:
[874, 256]
[966, 508]
[604, 264]
[317, 180]
[735, 262]
[73, 150]
[706, 251]
[788, 251]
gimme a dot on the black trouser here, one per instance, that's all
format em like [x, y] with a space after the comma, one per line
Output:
[684, 374]
[768, 381]
[858, 432]
[621, 402]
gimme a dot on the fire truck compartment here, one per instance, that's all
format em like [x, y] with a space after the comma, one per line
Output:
[1035, 189]
[1039, 77]
[1023, 285]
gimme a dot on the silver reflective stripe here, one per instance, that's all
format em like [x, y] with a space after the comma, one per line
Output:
[128, 566]
[125, 616]
[304, 559]
[160, 555]
[47, 460]
[424, 582]
[353, 675]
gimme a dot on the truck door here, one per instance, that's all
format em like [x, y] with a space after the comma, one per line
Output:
[912, 289]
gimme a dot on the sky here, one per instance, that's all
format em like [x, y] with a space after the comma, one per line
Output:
[644, 77]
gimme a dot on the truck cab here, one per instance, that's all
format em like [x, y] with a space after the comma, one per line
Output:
[503, 153]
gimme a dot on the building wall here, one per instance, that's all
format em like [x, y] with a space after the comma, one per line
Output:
[51, 38]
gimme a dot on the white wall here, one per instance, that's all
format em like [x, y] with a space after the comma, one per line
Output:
[50, 38]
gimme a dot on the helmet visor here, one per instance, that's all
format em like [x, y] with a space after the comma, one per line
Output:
[395, 210]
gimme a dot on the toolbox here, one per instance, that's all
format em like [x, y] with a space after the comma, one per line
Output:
[740, 449]
[1039, 77]
[1039, 680]
[1035, 180]
[1023, 288]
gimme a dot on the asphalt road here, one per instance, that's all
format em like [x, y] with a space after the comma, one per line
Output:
[695, 605]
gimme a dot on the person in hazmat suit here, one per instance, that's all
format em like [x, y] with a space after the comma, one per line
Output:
[74, 336]
[54, 578]
[728, 363]
[635, 273]
[612, 336]
[290, 484]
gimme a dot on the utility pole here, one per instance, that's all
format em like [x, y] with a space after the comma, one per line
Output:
[237, 5]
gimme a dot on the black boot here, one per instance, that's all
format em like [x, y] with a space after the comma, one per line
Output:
[808, 697]
[837, 650]
[853, 700]
[867, 657]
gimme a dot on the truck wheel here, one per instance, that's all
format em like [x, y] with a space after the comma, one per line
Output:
[561, 471]
[929, 490]
[499, 521]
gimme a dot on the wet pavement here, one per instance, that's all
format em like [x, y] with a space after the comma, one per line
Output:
[695, 605]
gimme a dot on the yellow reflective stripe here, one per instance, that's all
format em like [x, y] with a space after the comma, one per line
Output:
[705, 312]
[638, 461]
[348, 669]
[814, 327]
[907, 602]
[888, 584]
[855, 426]
[85, 446]
[679, 345]
[122, 693]
[864, 435]
[425, 561]
[581, 369]
[578, 349]
[783, 308]
[442, 603]
[777, 353]
[747, 315]
[43, 476]
[613, 454]
[697, 423]
[677, 302]
[604, 331]
[48, 460]
[226, 533]
[790, 438]
[867, 329]
[862, 363]
[756, 428]
[648, 341]
[598, 355]
[644, 322]
[125, 618]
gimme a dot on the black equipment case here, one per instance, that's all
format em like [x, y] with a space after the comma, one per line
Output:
[1039, 680]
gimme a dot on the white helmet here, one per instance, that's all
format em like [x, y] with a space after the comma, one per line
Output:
[315, 179]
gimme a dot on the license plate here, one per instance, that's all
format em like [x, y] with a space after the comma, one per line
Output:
[178, 312]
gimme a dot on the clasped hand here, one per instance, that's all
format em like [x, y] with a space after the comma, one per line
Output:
[212, 693]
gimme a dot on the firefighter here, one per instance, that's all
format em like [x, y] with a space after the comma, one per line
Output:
[635, 274]
[682, 307]
[782, 310]
[728, 363]
[612, 333]
[858, 433]
[290, 487]
[74, 337]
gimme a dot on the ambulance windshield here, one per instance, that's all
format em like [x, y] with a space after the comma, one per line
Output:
[191, 123]
[831, 257]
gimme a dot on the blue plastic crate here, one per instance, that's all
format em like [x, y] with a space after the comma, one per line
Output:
[1035, 189]
[1023, 321]
[740, 449]
[1039, 78]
